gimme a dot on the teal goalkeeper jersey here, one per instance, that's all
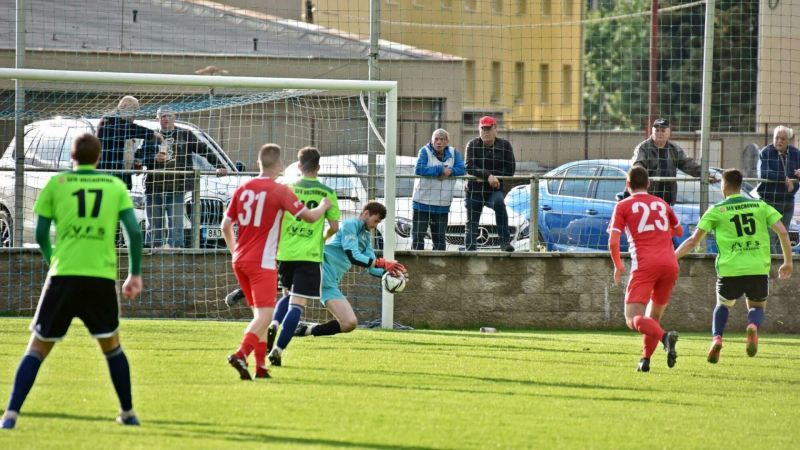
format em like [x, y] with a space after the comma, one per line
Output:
[300, 240]
[741, 229]
[85, 206]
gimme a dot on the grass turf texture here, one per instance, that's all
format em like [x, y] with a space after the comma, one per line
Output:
[408, 390]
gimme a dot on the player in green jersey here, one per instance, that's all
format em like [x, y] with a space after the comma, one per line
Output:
[86, 207]
[741, 228]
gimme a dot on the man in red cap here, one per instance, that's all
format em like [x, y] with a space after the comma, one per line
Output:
[488, 157]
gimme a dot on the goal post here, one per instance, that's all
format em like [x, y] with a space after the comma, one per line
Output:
[313, 110]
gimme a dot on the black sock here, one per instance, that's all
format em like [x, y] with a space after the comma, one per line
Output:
[326, 329]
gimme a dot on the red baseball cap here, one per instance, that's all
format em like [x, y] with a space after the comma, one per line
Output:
[487, 121]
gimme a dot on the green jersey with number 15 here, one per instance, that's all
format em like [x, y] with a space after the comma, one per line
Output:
[300, 240]
[741, 229]
[85, 206]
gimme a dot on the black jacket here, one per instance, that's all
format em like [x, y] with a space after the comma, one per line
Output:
[664, 162]
[482, 161]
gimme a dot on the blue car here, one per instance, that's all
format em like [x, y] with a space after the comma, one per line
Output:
[574, 213]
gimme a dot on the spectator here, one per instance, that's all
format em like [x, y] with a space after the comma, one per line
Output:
[117, 133]
[663, 158]
[164, 191]
[487, 158]
[438, 163]
[779, 163]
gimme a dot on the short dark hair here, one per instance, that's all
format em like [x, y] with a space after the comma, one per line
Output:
[308, 158]
[85, 149]
[733, 178]
[637, 177]
[375, 208]
[269, 154]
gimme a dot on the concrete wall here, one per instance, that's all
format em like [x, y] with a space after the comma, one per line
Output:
[546, 291]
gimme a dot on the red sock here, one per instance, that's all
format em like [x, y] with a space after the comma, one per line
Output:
[652, 332]
[249, 342]
[261, 354]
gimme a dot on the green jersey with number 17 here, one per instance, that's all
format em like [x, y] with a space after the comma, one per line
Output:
[300, 240]
[741, 229]
[85, 206]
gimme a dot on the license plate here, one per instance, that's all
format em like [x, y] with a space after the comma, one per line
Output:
[212, 233]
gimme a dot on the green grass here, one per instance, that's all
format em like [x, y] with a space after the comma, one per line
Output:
[408, 390]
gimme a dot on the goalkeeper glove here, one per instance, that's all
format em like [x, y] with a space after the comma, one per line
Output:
[389, 265]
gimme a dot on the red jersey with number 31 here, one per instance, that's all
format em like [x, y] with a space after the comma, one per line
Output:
[648, 222]
[257, 207]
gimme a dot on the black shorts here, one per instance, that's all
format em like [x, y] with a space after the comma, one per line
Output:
[93, 300]
[754, 287]
[301, 278]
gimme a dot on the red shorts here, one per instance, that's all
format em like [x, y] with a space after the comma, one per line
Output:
[652, 283]
[260, 286]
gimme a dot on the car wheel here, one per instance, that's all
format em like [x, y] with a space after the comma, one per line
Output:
[6, 229]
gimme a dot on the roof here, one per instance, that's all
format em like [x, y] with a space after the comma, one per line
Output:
[185, 28]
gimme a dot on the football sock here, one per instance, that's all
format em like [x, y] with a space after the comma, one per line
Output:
[249, 342]
[280, 309]
[23, 381]
[261, 353]
[755, 316]
[290, 322]
[326, 329]
[652, 331]
[120, 377]
[720, 319]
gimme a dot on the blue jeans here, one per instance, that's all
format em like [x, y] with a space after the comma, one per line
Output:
[475, 202]
[421, 221]
[787, 210]
[156, 206]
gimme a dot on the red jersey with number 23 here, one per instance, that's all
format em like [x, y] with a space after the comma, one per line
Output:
[648, 222]
[257, 207]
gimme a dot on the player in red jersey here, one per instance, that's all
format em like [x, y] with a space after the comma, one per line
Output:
[649, 223]
[257, 208]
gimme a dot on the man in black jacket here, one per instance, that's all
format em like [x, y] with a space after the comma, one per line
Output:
[164, 191]
[488, 157]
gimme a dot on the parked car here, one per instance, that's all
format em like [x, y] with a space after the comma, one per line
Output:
[574, 213]
[47, 145]
[351, 189]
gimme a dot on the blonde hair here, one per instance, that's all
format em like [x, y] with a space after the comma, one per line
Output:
[127, 103]
[269, 155]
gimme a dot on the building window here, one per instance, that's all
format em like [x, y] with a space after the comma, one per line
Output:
[496, 81]
[471, 5]
[546, 7]
[544, 84]
[497, 6]
[519, 82]
[566, 8]
[566, 84]
[522, 7]
[418, 3]
[469, 77]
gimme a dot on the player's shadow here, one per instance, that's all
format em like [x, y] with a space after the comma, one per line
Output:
[107, 419]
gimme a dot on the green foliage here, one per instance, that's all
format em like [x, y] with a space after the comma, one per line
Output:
[408, 390]
[617, 64]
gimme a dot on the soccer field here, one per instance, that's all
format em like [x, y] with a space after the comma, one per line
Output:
[408, 390]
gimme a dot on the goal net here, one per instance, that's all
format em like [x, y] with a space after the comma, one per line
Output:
[186, 267]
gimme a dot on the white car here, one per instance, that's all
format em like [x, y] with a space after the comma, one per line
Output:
[47, 146]
[348, 176]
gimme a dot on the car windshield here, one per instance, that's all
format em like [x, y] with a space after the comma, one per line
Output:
[404, 186]
[689, 192]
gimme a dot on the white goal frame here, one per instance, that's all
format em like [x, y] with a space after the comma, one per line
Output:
[389, 88]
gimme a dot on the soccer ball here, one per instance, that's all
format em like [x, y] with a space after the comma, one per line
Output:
[393, 283]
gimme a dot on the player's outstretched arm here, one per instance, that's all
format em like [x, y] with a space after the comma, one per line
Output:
[312, 215]
[785, 271]
[132, 286]
[227, 233]
[333, 227]
[690, 243]
[614, 249]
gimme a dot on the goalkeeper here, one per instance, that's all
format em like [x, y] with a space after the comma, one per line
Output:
[350, 246]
